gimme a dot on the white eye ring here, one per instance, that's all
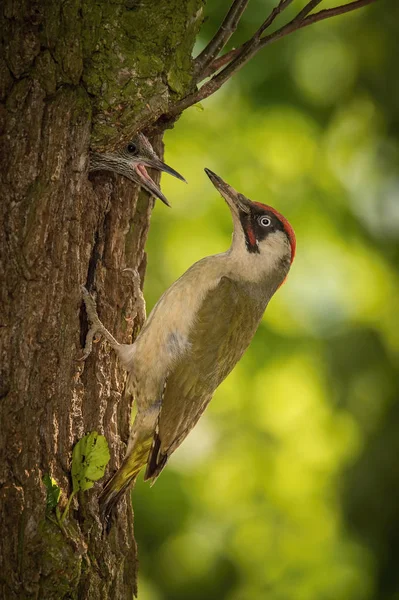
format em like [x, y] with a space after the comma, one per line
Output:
[265, 221]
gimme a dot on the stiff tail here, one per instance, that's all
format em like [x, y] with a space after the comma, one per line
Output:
[122, 480]
[156, 461]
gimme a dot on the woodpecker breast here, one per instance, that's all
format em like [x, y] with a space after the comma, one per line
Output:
[224, 326]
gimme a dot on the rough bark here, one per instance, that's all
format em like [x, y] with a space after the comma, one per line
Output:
[72, 74]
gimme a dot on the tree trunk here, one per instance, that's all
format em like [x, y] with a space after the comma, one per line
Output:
[73, 74]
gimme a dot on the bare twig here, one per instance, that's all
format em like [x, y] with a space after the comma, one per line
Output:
[221, 37]
[220, 62]
[273, 15]
[243, 54]
[307, 9]
[337, 10]
[208, 67]
[298, 23]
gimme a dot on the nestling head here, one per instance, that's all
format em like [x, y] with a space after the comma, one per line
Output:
[131, 161]
[259, 229]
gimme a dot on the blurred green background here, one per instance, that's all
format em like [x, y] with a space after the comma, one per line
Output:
[288, 488]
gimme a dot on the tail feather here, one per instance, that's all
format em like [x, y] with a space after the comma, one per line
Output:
[124, 477]
[156, 461]
[109, 499]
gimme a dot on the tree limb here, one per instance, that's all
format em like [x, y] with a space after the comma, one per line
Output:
[306, 10]
[334, 12]
[221, 37]
[239, 57]
[207, 68]
[273, 15]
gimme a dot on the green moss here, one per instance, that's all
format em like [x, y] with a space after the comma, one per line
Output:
[81, 106]
[91, 17]
[175, 81]
[51, 29]
[45, 72]
[68, 50]
[137, 58]
[61, 563]
[18, 95]
[134, 60]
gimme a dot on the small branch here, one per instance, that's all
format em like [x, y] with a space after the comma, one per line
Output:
[334, 12]
[216, 63]
[327, 13]
[221, 37]
[220, 62]
[243, 54]
[306, 10]
[230, 56]
[273, 15]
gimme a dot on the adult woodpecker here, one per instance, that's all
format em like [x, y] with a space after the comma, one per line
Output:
[131, 162]
[195, 335]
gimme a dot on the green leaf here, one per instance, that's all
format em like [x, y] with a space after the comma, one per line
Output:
[53, 492]
[90, 456]
[200, 107]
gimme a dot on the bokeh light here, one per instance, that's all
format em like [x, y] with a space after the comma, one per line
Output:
[289, 486]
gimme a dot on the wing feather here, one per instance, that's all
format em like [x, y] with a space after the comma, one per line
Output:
[225, 325]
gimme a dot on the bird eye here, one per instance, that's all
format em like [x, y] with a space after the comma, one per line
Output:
[265, 221]
[132, 148]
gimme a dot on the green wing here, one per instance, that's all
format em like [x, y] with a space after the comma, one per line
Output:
[225, 325]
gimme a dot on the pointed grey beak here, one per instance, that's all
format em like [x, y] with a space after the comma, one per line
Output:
[234, 199]
[156, 163]
[148, 183]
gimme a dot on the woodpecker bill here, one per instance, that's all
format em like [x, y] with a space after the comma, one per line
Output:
[131, 162]
[195, 335]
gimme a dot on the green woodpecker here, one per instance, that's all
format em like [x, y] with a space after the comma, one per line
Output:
[131, 162]
[195, 335]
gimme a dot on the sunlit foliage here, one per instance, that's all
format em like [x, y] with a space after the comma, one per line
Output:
[286, 489]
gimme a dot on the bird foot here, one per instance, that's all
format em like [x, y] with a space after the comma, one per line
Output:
[140, 311]
[96, 327]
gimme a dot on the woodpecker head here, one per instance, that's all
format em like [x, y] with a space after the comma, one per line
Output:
[259, 230]
[131, 162]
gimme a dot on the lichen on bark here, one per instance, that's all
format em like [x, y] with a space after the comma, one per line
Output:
[138, 61]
